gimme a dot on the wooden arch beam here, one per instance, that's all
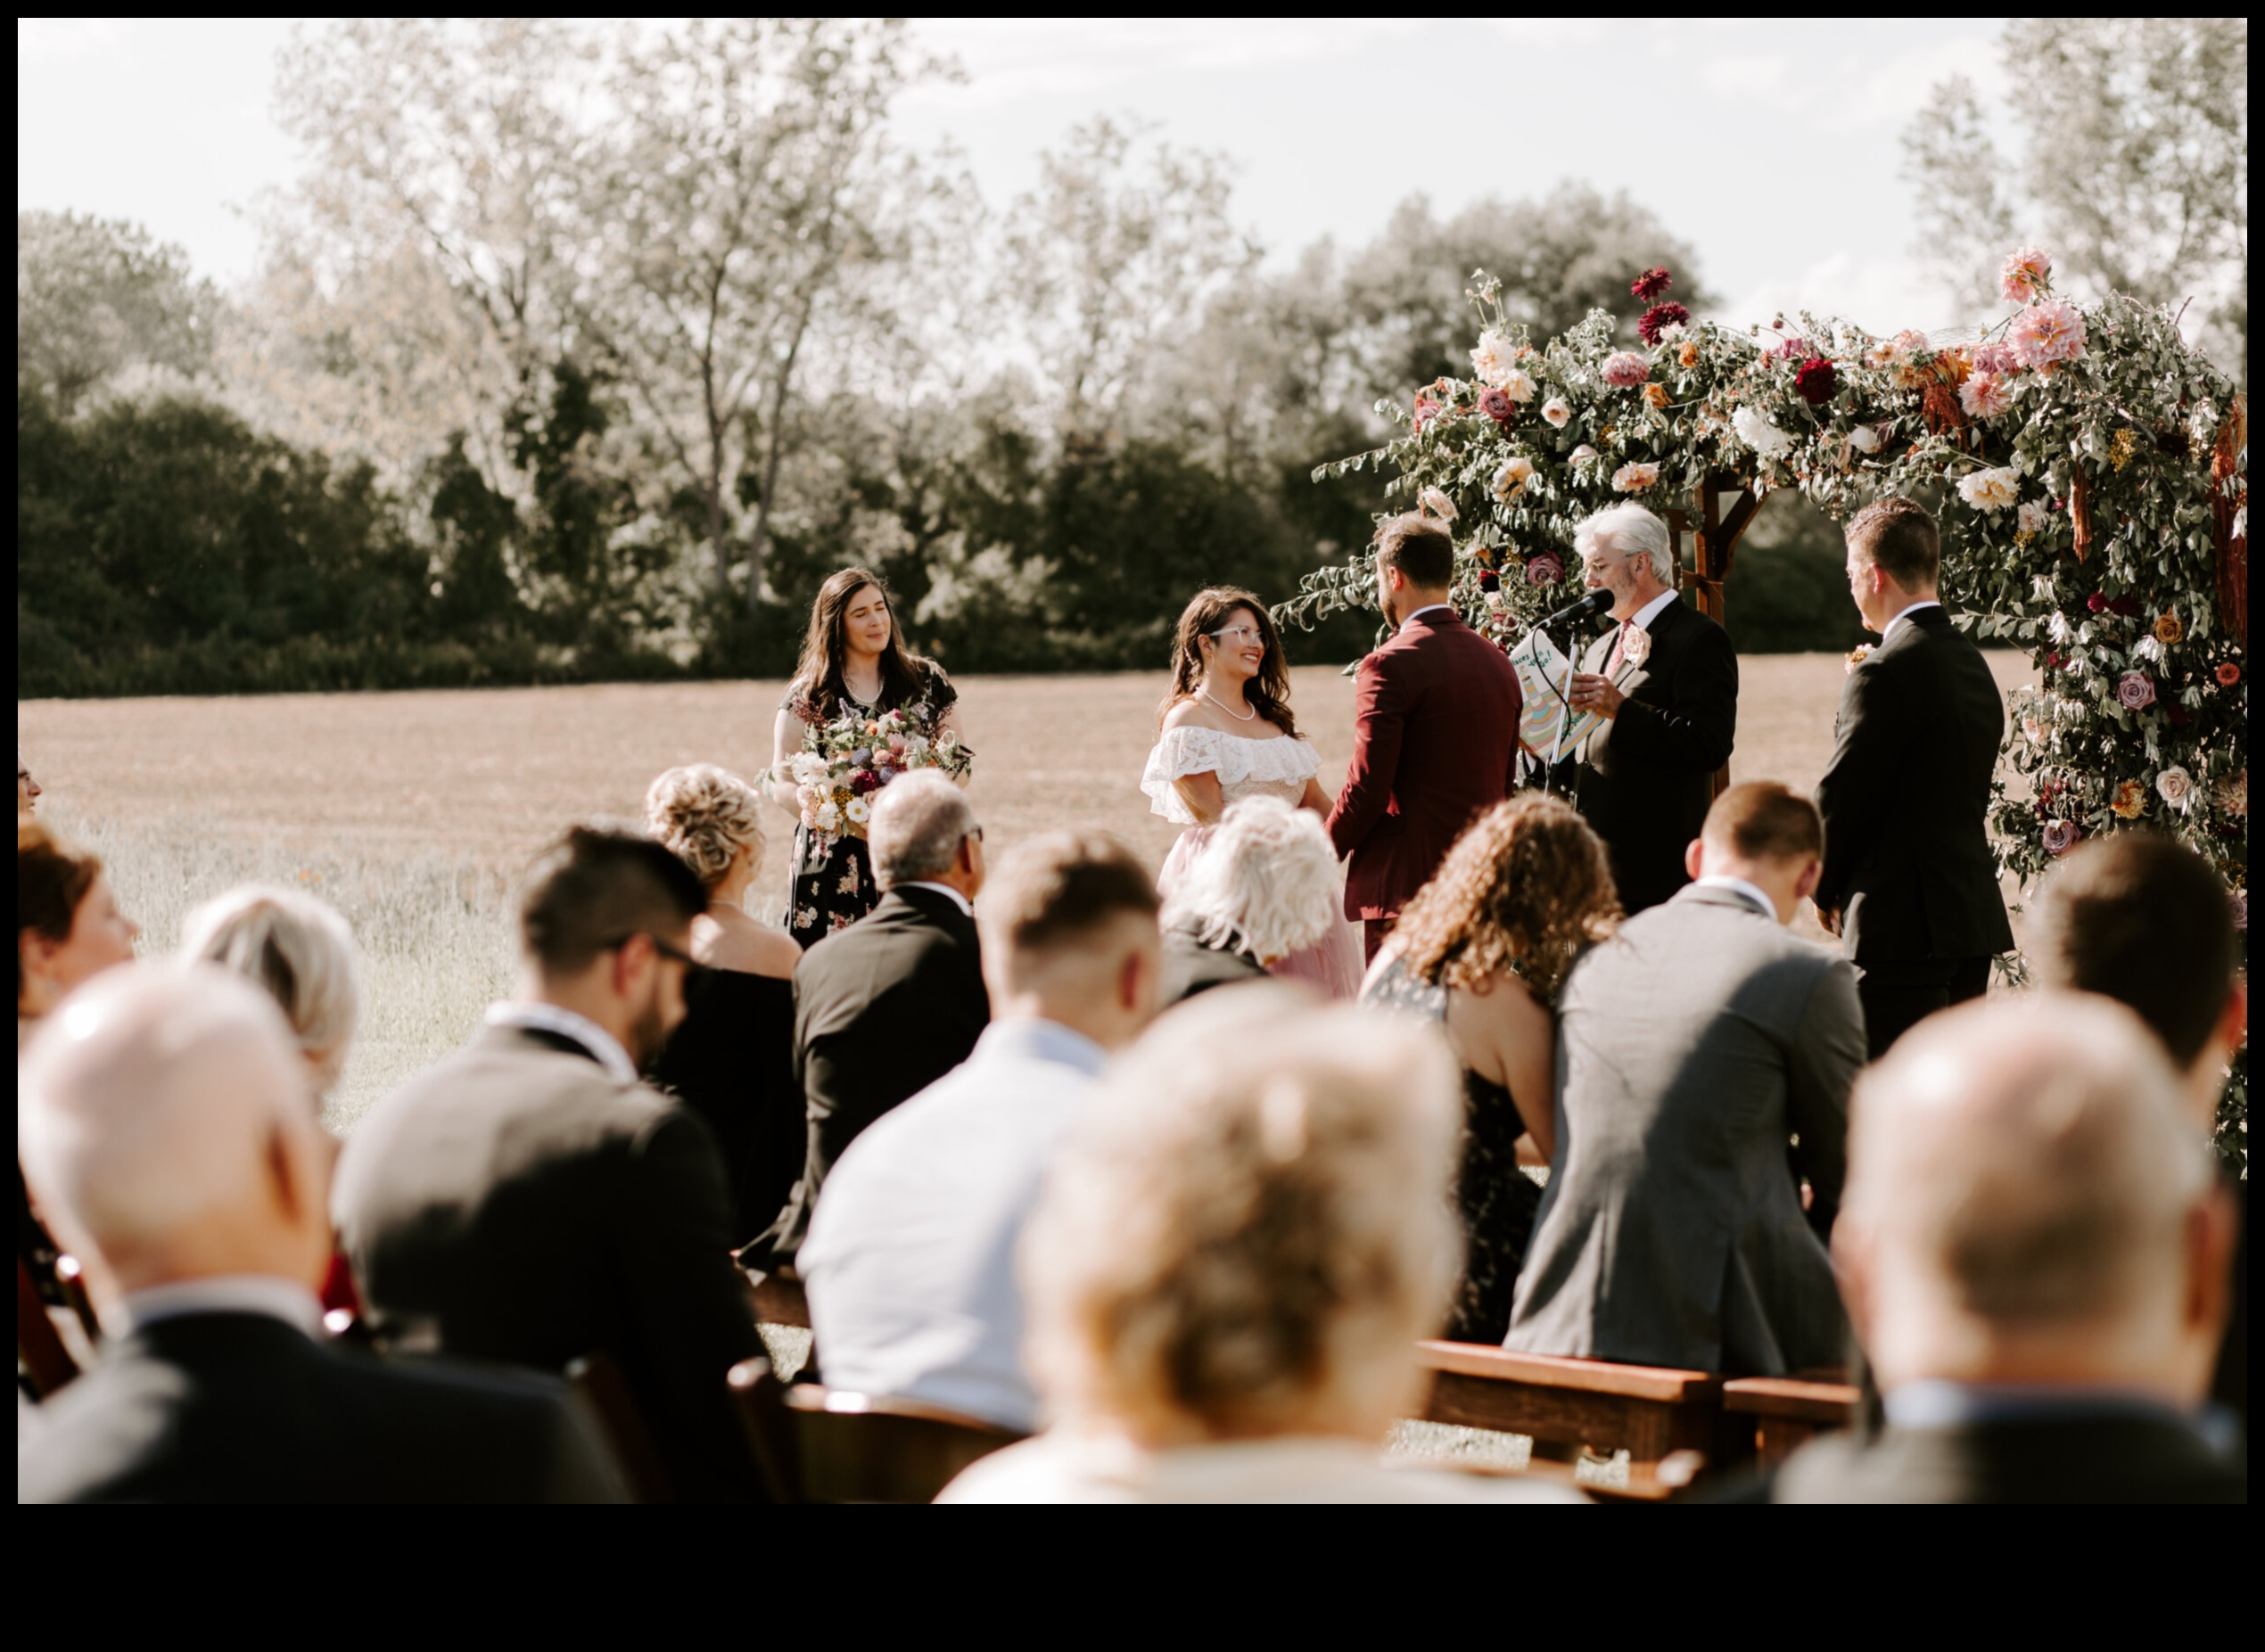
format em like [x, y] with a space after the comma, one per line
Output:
[1727, 507]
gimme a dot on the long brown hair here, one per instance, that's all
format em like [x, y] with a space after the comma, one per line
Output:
[1206, 613]
[818, 682]
[1525, 888]
[51, 879]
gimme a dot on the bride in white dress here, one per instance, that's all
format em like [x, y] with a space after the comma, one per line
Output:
[1228, 734]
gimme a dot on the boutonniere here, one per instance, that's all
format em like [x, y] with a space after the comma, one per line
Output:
[1857, 655]
[1635, 648]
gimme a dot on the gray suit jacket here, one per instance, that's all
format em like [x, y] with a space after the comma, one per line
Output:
[1691, 1047]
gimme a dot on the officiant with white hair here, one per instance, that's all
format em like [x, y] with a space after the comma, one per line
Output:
[1664, 683]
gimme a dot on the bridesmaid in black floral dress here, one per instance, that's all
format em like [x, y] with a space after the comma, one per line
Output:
[854, 658]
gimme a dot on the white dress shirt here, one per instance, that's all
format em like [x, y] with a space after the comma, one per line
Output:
[910, 1261]
[954, 895]
[1066, 1468]
[566, 1024]
[1418, 613]
[267, 1293]
[1740, 886]
[1905, 614]
[1651, 610]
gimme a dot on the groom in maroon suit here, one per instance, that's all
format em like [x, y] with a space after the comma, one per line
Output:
[1435, 734]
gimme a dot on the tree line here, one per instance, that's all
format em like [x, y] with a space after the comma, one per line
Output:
[578, 354]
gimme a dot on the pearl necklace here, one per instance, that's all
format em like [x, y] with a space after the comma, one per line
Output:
[1240, 716]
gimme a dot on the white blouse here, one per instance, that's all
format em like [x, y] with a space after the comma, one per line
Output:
[1277, 766]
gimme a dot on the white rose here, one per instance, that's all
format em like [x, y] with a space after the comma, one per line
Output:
[1581, 455]
[1437, 504]
[1635, 646]
[2175, 785]
[1516, 471]
[1755, 430]
[1495, 360]
[829, 817]
[1864, 439]
[2031, 518]
[1518, 386]
[1558, 411]
[1633, 477]
[1992, 489]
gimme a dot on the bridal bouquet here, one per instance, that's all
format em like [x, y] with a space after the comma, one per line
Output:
[843, 762]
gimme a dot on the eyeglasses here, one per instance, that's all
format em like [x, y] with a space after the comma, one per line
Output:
[1592, 563]
[673, 954]
[1243, 635]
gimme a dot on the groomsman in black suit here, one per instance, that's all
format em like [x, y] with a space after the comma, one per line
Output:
[528, 1200]
[885, 1007]
[166, 1126]
[1665, 680]
[1910, 885]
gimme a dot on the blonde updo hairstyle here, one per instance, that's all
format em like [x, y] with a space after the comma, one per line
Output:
[1252, 1227]
[301, 951]
[706, 816]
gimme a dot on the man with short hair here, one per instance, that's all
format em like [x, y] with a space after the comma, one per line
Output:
[1693, 1046]
[910, 1259]
[2145, 921]
[1910, 884]
[1435, 731]
[2033, 1250]
[1665, 682]
[528, 1199]
[889, 1005]
[164, 1124]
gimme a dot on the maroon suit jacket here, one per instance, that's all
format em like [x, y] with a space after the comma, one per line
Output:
[1434, 739]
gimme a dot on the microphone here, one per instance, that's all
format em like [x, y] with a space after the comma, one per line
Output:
[1599, 601]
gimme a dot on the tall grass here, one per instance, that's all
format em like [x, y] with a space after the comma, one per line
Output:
[436, 937]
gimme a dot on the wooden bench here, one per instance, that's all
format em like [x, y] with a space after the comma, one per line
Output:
[778, 1298]
[1671, 1423]
[1788, 1412]
[819, 1446]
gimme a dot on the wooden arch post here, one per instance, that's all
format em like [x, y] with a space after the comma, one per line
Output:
[1715, 536]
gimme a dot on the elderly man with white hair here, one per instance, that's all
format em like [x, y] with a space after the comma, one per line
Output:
[164, 1126]
[2033, 1246]
[1664, 680]
[889, 1005]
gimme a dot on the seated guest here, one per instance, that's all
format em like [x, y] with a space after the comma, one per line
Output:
[528, 1200]
[731, 1061]
[2144, 921]
[27, 788]
[1481, 952]
[302, 951]
[69, 930]
[1691, 1046]
[889, 1005]
[2034, 1252]
[165, 1124]
[1264, 888]
[910, 1259]
[1230, 1263]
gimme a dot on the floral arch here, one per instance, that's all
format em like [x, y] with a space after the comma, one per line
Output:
[2092, 474]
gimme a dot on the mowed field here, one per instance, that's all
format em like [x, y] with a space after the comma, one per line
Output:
[414, 811]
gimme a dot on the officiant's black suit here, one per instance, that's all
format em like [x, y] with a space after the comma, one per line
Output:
[240, 1408]
[518, 1203]
[1646, 778]
[883, 1009]
[1905, 802]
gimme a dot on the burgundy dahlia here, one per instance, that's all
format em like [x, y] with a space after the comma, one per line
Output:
[1659, 318]
[1489, 581]
[1497, 405]
[2128, 607]
[2097, 601]
[1815, 380]
[1651, 283]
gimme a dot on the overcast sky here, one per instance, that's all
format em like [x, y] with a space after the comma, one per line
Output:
[1770, 146]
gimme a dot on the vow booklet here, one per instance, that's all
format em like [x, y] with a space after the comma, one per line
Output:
[1548, 727]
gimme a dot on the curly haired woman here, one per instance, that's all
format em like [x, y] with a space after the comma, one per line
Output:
[1481, 951]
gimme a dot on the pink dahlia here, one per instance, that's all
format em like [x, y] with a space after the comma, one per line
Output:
[2136, 691]
[2026, 275]
[1548, 568]
[2061, 836]
[2047, 333]
[1984, 396]
[1817, 379]
[1659, 318]
[1625, 369]
[1651, 283]
[1998, 358]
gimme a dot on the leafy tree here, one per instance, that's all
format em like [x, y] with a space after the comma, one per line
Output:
[2134, 170]
[95, 296]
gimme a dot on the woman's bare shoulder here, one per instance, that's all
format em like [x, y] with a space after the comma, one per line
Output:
[1188, 712]
[729, 940]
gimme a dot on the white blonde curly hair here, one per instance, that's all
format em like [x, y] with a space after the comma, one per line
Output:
[1267, 880]
[301, 950]
[706, 816]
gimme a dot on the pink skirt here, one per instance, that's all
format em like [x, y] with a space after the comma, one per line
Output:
[1336, 964]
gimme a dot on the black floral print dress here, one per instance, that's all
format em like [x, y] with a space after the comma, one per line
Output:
[832, 882]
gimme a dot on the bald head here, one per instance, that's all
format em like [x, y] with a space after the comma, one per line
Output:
[165, 1126]
[2021, 1198]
